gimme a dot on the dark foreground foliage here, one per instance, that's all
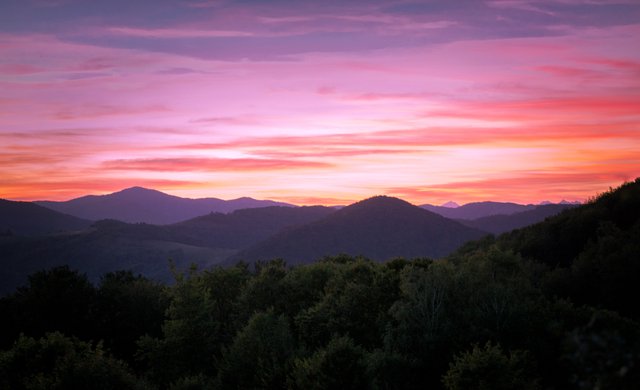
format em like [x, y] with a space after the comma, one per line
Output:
[524, 311]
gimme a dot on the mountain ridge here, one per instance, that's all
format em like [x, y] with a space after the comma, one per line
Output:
[139, 204]
[502, 223]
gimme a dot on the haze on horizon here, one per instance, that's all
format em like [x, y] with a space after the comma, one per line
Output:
[320, 102]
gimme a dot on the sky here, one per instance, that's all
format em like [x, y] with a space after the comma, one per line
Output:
[320, 102]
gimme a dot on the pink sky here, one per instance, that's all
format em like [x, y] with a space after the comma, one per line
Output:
[320, 102]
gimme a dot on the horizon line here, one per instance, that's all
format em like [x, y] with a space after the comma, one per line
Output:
[298, 204]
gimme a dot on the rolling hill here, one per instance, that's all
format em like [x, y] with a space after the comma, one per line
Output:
[111, 245]
[245, 227]
[233, 231]
[26, 218]
[379, 228]
[137, 204]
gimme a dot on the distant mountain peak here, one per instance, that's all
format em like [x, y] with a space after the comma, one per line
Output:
[379, 201]
[136, 190]
[450, 205]
[244, 198]
[545, 202]
[380, 198]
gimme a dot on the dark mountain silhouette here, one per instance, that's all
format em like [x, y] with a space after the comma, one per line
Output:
[26, 218]
[478, 209]
[137, 204]
[233, 231]
[111, 245]
[379, 228]
[498, 224]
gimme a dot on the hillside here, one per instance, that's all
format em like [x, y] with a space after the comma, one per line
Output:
[498, 224]
[112, 245]
[379, 228]
[137, 204]
[245, 227]
[477, 210]
[592, 249]
[233, 231]
[561, 239]
[26, 218]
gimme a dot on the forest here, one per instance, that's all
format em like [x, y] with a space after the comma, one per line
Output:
[550, 306]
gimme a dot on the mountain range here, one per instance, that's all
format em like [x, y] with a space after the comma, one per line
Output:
[33, 237]
[502, 223]
[477, 210]
[137, 204]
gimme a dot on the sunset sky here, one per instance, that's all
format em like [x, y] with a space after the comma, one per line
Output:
[320, 102]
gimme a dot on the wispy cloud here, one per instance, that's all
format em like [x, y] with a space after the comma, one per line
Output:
[176, 33]
[19, 69]
[211, 164]
[522, 5]
[101, 111]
